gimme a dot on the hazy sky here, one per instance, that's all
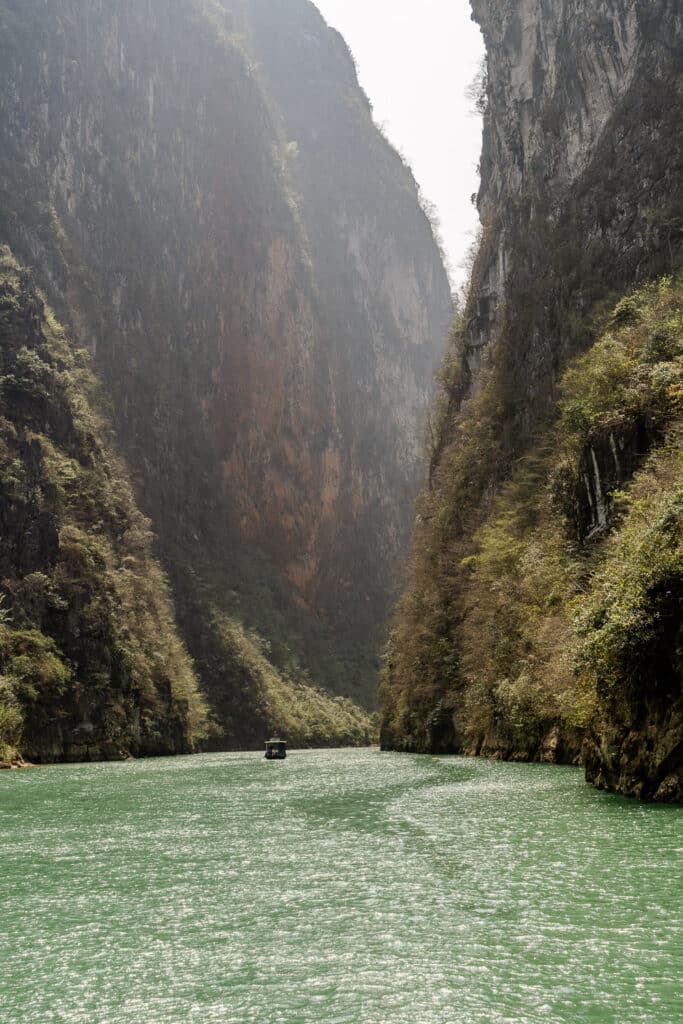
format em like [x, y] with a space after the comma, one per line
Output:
[415, 61]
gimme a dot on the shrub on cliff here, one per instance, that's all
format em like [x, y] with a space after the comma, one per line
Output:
[11, 721]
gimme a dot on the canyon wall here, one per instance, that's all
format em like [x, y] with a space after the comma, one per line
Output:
[558, 412]
[203, 196]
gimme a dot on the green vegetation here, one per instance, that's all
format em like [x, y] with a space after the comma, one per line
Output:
[633, 373]
[629, 623]
[289, 703]
[90, 660]
[253, 643]
[528, 613]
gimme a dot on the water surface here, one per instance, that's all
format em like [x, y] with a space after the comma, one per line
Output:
[337, 887]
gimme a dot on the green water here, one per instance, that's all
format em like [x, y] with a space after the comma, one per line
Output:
[342, 887]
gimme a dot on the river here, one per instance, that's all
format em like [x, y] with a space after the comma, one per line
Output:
[336, 887]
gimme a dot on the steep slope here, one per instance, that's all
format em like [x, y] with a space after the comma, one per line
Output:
[91, 662]
[580, 200]
[264, 303]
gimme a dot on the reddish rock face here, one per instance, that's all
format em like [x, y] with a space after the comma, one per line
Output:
[215, 215]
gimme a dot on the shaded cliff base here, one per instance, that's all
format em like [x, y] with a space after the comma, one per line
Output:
[555, 631]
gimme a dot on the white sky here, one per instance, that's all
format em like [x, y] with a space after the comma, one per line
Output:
[415, 60]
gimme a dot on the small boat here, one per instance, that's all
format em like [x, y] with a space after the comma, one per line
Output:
[276, 749]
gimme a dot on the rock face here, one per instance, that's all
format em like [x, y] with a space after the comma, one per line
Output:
[580, 187]
[206, 201]
[580, 202]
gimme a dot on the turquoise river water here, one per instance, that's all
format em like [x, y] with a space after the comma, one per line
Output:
[337, 887]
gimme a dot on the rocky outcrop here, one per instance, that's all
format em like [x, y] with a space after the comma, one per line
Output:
[637, 750]
[205, 199]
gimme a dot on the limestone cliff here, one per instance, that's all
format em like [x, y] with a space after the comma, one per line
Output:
[536, 444]
[203, 195]
[580, 169]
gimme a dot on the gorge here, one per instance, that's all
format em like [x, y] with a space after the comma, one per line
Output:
[199, 196]
[262, 472]
[222, 309]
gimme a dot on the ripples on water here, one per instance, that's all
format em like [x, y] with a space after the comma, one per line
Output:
[340, 887]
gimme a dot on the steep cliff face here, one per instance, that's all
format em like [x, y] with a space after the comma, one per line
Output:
[580, 201]
[383, 303]
[92, 665]
[580, 188]
[263, 301]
